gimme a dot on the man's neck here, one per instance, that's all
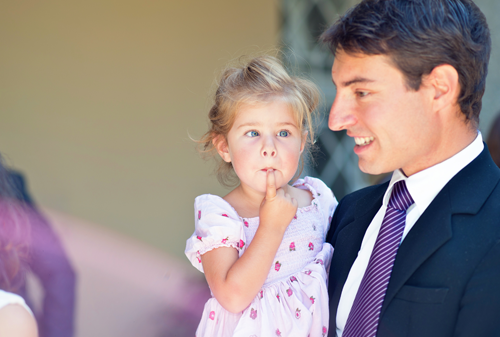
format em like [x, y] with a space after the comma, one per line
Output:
[453, 140]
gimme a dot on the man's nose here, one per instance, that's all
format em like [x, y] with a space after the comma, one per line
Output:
[268, 148]
[341, 115]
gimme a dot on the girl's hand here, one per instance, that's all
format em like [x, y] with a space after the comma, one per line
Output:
[235, 281]
[278, 208]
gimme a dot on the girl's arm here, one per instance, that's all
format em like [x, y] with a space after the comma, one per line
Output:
[236, 281]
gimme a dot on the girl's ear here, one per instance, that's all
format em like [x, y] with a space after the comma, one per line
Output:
[220, 144]
[304, 141]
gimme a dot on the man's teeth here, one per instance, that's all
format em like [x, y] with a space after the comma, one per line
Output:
[363, 140]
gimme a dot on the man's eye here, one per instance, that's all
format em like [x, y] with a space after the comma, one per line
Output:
[283, 133]
[361, 93]
[252, 134]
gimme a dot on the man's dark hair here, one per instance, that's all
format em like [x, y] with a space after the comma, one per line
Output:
[419, 35]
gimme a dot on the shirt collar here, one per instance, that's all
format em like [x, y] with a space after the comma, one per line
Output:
[425, 185]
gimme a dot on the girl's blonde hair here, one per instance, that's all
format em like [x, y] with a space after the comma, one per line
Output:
[261, 80]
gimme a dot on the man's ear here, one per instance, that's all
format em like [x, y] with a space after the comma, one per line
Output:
[220, 144]
[304, 141]
[444, 80]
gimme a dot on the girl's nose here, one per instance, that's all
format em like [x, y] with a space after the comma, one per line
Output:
[269, 150]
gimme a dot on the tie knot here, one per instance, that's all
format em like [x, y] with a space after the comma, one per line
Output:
[400, 197]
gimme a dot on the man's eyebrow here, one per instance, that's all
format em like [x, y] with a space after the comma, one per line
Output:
[355, 81]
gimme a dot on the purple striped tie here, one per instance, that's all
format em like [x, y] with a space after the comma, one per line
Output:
[365, 312]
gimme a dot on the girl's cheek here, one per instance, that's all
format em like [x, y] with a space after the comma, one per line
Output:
[244, 153]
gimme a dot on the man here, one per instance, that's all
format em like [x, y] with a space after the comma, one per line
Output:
[419, 255]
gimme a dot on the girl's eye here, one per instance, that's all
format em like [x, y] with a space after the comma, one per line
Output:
[361, 93]
[283, 133]
[252, 134]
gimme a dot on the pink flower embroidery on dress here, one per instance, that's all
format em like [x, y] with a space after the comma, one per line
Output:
[289, 292]
[199, 238]
[312, 299]
[240, 244]
[277, 266]
[308, 272]
[199, 215]
[261, 293]
[319, 261]
[198, 256]
[324, 331]
[225, 240]
[227, 216]
[311, 246]
[245, 223]
[297, 313]
[212, 315]
[253, 314]
[293, 278]
[278, 297]
[292, 246]
[295, 217]
[278, 332]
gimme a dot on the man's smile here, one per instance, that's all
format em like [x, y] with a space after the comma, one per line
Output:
[362, 141]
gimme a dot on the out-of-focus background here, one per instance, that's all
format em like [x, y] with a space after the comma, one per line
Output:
[98, 100]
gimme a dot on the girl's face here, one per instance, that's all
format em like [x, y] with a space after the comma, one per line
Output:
[264, 136]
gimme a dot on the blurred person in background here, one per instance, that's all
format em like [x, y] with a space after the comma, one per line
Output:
[493, 140]
[46, 260]
[16, 318]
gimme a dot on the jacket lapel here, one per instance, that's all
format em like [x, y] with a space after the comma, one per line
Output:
[348, 238]
[464, 193]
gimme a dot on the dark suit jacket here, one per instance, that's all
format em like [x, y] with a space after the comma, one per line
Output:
[446, 276]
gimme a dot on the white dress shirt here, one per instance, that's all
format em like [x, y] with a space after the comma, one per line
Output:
[423, 187]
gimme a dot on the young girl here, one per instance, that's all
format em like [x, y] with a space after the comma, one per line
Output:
[262, 246]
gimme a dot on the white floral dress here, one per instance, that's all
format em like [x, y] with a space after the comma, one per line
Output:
[293, 300]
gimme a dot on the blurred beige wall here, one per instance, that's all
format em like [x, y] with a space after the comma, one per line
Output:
[97, 99]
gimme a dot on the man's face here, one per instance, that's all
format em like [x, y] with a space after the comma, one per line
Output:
[393, 126]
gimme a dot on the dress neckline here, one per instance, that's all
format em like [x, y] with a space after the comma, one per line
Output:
[307, 208]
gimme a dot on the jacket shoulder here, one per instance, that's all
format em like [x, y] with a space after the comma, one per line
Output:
[355, 204]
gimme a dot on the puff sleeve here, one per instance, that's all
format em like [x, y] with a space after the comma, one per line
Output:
[216, 225]
[323, 195]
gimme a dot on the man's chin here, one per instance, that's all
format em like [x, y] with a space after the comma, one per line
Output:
[373, 168]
